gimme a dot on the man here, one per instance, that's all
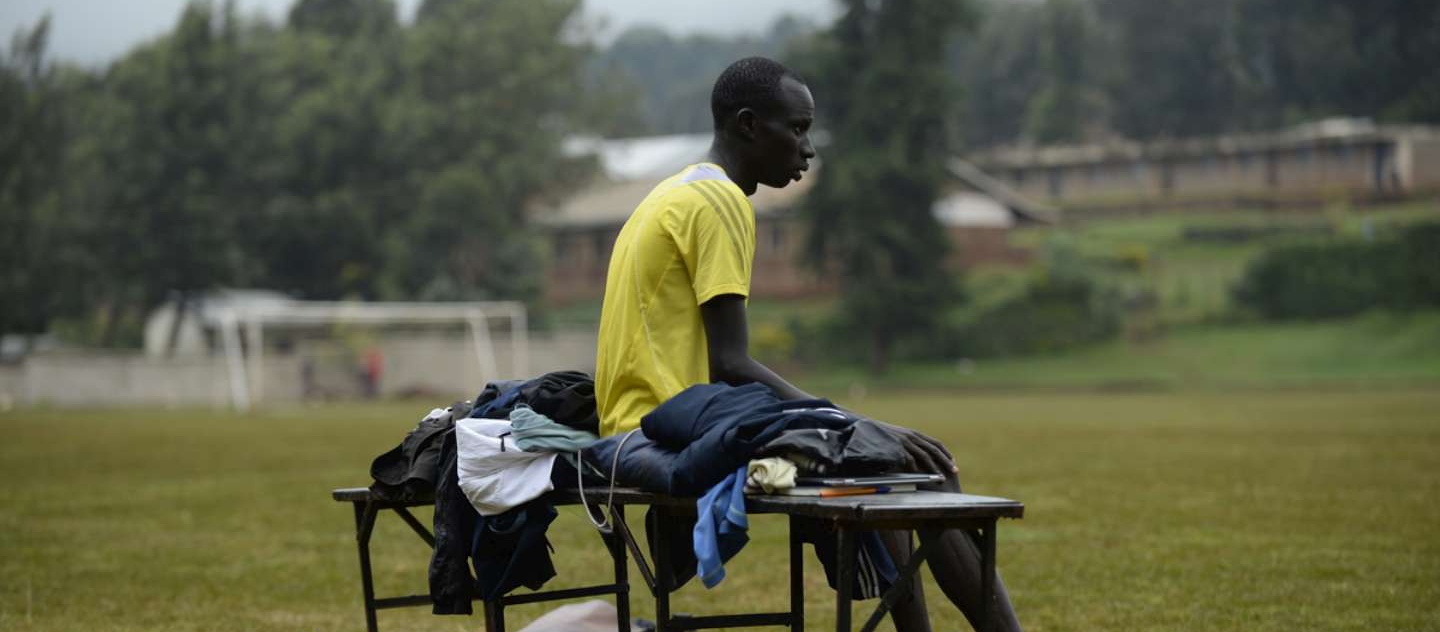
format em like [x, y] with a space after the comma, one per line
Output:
[674, 313]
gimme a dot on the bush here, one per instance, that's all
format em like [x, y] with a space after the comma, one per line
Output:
[1054, 313]
[1061, 305]
[1343, 277]
[1232, 234]
[772, 343]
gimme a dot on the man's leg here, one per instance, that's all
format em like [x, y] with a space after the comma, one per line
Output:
[954, 559]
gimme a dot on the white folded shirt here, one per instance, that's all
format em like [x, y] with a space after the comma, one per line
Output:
[495, 479]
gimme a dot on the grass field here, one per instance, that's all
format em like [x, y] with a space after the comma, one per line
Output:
[1295, 510]
[1192, 279]
[1377, 350]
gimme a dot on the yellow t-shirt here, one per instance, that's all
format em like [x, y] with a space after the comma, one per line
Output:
[690, 240]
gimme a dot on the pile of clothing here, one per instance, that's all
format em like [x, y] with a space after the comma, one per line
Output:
[489, 463]
[702, 442]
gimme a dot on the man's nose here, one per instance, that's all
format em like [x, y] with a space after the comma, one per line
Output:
[807, 148]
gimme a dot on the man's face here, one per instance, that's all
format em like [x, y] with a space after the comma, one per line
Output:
[782, 136]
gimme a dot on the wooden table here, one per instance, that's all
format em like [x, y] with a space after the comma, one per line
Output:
[849, 515]
[910, 511]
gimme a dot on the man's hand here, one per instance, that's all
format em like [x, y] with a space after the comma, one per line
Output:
[925, 454]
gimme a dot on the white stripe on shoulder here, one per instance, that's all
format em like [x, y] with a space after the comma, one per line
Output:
[704, 171]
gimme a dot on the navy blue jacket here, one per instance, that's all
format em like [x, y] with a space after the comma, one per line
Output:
[690, 443]
[698, 437]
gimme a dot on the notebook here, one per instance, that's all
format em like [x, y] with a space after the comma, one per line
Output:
[831, 492]
[885, 480]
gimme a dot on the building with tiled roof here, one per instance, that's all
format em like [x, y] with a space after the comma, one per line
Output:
[1314, 163]
[978, 214]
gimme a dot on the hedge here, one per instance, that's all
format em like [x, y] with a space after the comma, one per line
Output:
[1332, 278]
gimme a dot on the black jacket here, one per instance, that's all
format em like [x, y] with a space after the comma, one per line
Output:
[566, 397]
[506, 560]
[412, 468]
[452, 587]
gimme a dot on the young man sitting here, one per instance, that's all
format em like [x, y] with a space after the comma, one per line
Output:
[674, 312]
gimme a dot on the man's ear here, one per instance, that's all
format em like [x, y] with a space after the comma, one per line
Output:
[745, 122]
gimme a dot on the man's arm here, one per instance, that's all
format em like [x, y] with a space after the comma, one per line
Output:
[727, 333]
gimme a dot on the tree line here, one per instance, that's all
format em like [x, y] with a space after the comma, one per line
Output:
[1054, 71]
[342, 153]
[339, 154]
[902, 84]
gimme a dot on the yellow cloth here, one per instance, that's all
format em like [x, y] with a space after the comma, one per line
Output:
[690, 240]
[770, 474]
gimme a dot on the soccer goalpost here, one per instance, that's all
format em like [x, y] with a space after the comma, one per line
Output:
[244, 361]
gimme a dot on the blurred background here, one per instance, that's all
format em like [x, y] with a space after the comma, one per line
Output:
[1181, 255]
[1137, 193]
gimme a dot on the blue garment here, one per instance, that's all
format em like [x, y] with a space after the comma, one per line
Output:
[720, 527]
[721, 531]
[510, 550]
[694, 439]
[694, 411]
[535, 432]
[498, 407]
[718, 428]
[566, 397]
[691, 443]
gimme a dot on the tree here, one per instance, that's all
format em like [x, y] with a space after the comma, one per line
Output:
[1068, 102]
[342, 155]
[36, 249]
[176, 144]
[884, 95]
[1179, 67]
[1339, 57]
[344, 18]
[331, 179]
[478, 144]
[673, 75]
[1000, 68]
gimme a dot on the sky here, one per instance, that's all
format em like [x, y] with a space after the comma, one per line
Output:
[99, 31]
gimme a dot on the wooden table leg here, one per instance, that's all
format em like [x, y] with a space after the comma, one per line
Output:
[622, 571]
[495, 615]
[663, 577]
[797, 580]
[845, 562]
[364, 525]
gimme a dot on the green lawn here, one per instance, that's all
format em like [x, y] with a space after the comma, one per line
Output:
[1378, 350]
[1291, 510]
[1192, 278]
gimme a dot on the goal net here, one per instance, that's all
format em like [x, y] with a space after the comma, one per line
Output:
[325, 351]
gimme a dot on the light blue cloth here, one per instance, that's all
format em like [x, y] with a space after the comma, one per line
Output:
[720, 527]
[535, 432]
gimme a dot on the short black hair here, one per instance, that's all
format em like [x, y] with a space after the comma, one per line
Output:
[753, 82]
